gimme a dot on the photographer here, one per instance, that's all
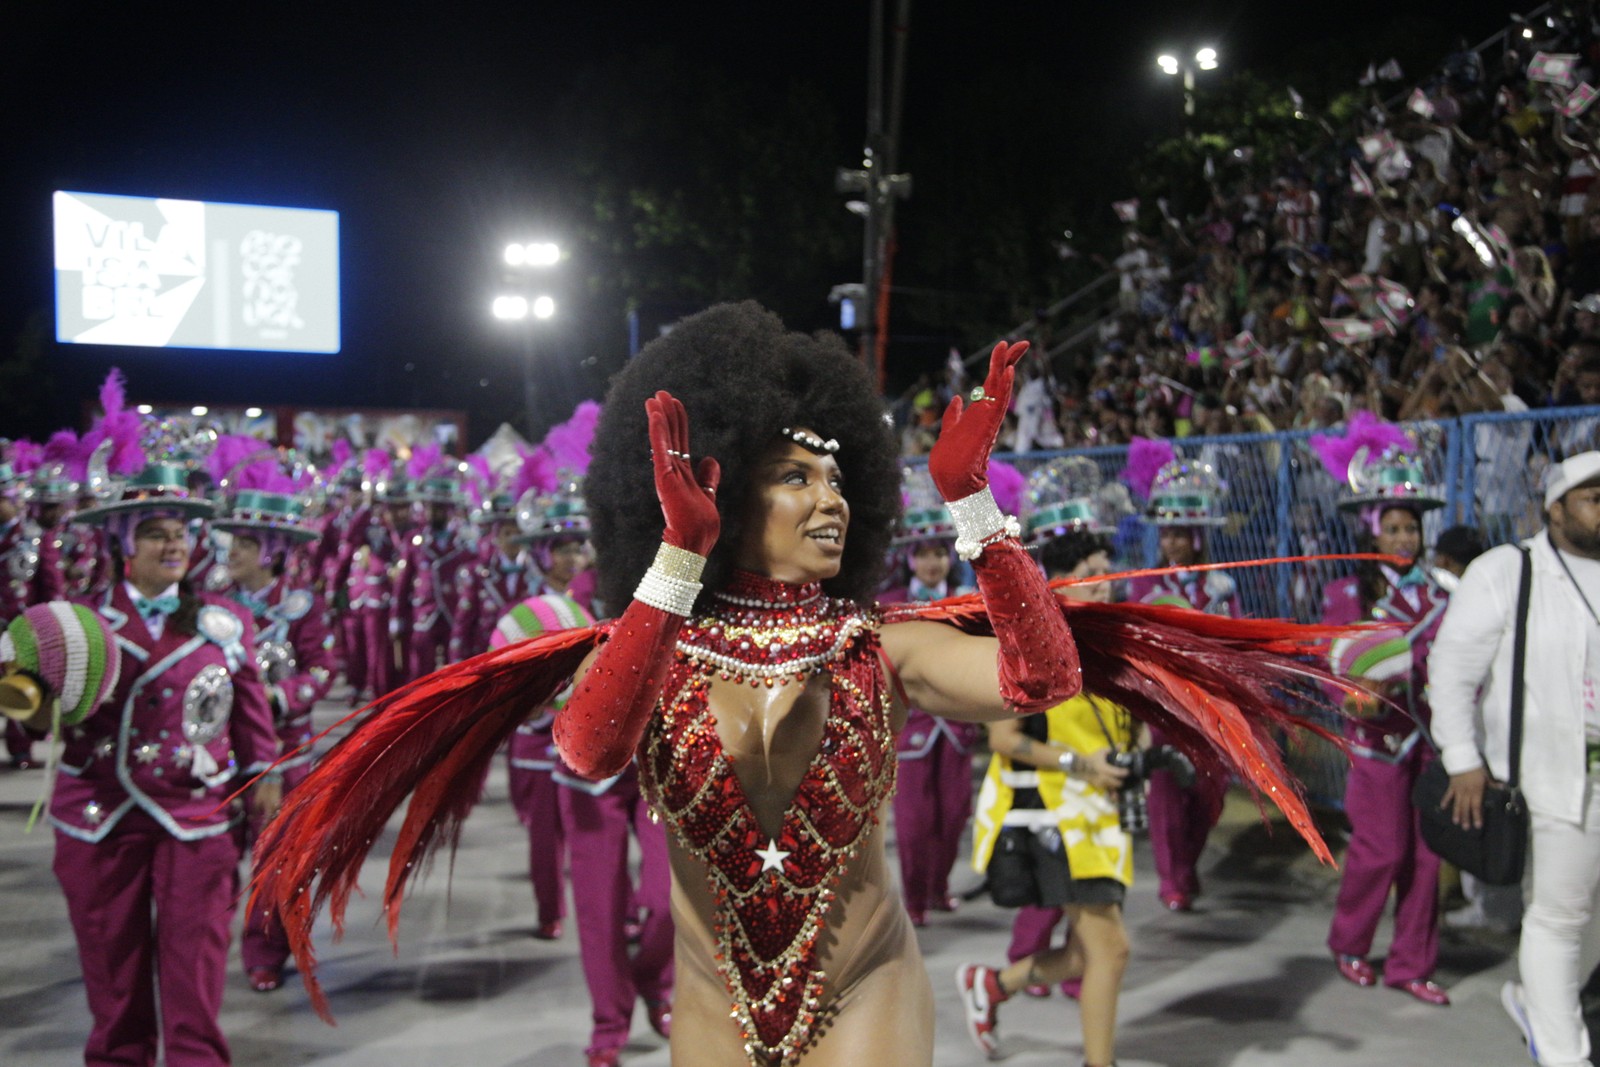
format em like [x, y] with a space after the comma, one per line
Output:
[1070, 795]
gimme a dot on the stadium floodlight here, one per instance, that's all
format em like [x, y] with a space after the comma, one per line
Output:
[1167, 63]
[510, 307]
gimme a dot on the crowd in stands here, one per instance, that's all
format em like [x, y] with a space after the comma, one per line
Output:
[1439, 256]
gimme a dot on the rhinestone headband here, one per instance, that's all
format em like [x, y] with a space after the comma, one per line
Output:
[807, 439]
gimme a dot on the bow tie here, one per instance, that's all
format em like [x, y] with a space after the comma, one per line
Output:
[1414, 576]
[255, 605]
[161, 605]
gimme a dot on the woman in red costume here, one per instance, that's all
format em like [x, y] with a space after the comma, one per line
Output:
[743, 492]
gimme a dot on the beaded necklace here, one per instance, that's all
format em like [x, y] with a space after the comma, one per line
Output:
[772, 893]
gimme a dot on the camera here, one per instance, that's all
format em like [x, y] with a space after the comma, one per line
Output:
[1133, 808]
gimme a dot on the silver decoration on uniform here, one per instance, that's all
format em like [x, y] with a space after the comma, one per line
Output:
[206, 705]
[275, 660]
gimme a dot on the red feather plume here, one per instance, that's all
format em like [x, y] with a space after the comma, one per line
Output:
[1216, 684]
[433, 739]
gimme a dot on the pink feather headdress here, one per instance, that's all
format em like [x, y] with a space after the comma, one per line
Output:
[423, 462]
[26, 457]
[376, 463]
[568, 443]
[1146, 457]
[232, 453]
[121, 427]
[1364, 430]
[1007, 484]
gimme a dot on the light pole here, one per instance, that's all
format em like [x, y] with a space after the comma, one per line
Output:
[1204, 59]
[523, 303]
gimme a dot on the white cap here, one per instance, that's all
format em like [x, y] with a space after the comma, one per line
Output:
[1569, 474]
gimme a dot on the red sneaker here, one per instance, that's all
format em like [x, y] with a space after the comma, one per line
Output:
[550, 931]
[979, 989]
[604, 1057]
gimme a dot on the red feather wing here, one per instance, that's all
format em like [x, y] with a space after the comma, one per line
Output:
[434, 740]
[1217, 685]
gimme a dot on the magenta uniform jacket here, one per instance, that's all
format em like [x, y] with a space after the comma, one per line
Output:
[488, 589]
[79, 552]
[28, 573]
[1210, 591]
[188, 716]
[428, 589]
[294, 651]
[1417, 608]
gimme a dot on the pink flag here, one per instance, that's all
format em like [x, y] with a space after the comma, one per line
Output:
[1390, 71]
[1355, 331]
[1127, 210]
[1578, 101]
[1360, 184]
[1420, 103]
[1244, 346]
[1394, 301]
[1377, 145]
[1557, 68]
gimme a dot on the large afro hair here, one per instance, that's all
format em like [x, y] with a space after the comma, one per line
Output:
[742, 377]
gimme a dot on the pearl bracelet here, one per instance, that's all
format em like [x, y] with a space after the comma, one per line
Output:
[673, 581]
[980, 523]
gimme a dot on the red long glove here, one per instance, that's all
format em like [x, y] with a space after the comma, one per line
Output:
[600, 728]
[1038, 661]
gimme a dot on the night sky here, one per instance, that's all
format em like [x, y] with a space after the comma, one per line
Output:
[426, 128]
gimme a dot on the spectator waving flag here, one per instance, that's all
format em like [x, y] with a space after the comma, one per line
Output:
[1355, 331]
[1394, 301]
[1557, 68]
[1244, 346]
[1578, 101]
[1360, 184]
[1377, 145]
[1127, 210]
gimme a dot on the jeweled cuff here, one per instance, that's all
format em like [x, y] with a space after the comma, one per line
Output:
[673, 581]
[980, 523]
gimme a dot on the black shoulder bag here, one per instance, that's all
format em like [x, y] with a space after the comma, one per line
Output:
[1495, 852]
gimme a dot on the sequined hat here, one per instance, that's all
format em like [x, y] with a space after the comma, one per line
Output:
[559, 513]
[924, 516]
[1063, 496]
[1391, 478]
[1186, 493]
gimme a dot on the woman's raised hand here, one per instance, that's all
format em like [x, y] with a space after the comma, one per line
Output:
[688, 493]
[959, 463]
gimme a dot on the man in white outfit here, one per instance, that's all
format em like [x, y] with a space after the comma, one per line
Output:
[1560, 747]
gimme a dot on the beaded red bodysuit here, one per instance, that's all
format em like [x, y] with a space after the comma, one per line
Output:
[772, 894]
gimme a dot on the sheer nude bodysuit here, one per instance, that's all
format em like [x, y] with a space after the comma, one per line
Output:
[814, 736]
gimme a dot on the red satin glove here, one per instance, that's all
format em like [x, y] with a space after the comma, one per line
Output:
[688, 495]
[600, 728]
[1038, 659]
[959, 462]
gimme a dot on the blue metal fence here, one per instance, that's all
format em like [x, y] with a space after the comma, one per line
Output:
[1282, 502]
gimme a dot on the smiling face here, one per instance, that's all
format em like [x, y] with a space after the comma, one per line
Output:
[796, 516]
[160, 555]
[1399, 533]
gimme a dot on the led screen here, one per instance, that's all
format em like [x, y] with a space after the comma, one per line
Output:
[133, 270]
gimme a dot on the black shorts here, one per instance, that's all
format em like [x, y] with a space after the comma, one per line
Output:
[1057, 887]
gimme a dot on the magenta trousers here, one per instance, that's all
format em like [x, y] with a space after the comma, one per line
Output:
[534, 796]
[264, 942]
[1180, 822]
[932, 803]
[151, 912]
[1386, 852]
[597, 829]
